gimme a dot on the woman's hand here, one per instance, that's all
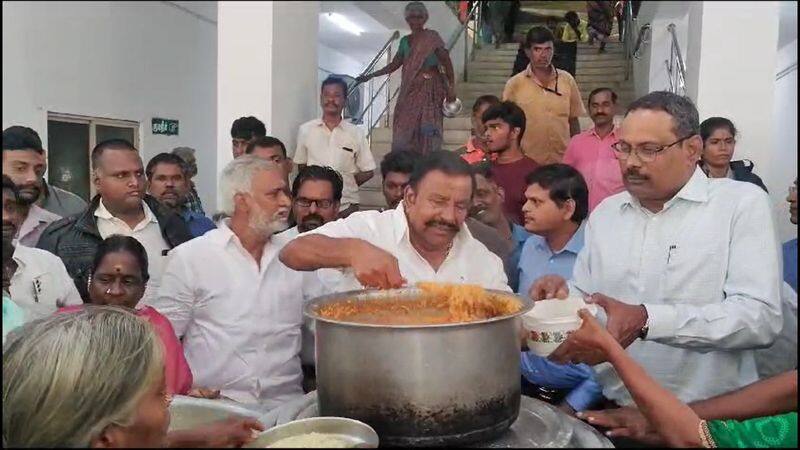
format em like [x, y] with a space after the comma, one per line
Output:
[590, 344]
[626, 422]
[232, 432]
[451, 94]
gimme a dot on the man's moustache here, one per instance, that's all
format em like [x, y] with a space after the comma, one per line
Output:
[439, 223]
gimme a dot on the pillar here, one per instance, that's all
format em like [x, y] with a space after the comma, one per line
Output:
[266, 67]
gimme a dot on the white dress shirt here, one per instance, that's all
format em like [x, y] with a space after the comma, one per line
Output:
[239, 320]
[312, 288]
[469, 261]
[33, 226]
[345, 149]
[706, 267]
[147, 232]
[41, 282]
[782, 355]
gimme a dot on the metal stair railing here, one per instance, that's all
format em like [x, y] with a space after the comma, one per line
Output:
[373, 93]
[676, 69]
[473, 18]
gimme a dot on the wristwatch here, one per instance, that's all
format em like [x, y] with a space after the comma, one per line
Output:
[646, 327]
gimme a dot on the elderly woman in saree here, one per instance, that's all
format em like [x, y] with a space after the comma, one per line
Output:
[417, 124]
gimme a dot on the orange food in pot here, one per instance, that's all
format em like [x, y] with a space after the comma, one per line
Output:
[439, 304]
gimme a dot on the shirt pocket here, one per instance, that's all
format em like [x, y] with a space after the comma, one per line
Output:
[346, 156]
[695, 273]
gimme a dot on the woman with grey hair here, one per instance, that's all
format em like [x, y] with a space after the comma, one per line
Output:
[418, 118]
[90, 378]
[95, 378]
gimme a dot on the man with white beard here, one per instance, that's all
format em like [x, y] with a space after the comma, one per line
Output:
[225, 297]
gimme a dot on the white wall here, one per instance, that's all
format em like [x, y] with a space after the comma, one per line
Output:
[737, 75]
[267, 68]
[783, 166]
[120, 60]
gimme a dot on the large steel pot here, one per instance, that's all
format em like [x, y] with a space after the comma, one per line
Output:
[429, 385]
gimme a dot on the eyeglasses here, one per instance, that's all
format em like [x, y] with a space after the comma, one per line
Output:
[306, 203]
[646, 153]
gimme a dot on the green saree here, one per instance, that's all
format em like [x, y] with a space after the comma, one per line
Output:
[772, 431]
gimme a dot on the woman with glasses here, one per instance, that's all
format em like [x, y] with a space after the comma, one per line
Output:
[719, 143]
[418, 117]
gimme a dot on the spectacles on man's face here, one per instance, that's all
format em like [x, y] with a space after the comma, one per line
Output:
[307, 202]
[647, 153]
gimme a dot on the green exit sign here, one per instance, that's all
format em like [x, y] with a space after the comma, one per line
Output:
[165, 126]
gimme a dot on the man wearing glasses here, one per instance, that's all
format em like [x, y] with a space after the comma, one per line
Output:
[684, 268]
[550, 99]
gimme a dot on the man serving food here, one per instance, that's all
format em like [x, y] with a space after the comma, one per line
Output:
[423, 239]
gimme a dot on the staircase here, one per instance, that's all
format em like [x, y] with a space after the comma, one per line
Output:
[487, 73]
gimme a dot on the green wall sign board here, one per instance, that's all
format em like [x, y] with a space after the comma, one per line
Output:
[165, 126]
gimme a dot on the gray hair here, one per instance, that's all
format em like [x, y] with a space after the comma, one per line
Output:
[416, 7]
[68, 376]
[686, 120]
[184, 152]
[237, 178]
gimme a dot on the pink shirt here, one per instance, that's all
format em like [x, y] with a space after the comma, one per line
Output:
[176, 369]
[594, 158]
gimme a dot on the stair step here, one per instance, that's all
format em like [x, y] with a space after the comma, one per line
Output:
[590, 70]
[493, 51]
[594, 56]
[584, 78]
[496, 59]
[482, 72]
[452, 138]
[489, 79]
[599, 63]
[493, 65]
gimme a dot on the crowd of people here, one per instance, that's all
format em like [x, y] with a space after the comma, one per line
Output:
[111, 307]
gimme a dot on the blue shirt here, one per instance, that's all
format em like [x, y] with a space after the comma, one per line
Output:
[518, 237]
[536, 261]
[790, 263]
[197, 223]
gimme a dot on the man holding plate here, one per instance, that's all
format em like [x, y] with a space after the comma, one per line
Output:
[685, 268]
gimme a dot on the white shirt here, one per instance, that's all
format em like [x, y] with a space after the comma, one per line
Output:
[34, 224]
[782, 355]
[239, 321]
[312, 288]
[469, 261]
[706, 267]
[345, 149]
[41, 282]
[147, 232]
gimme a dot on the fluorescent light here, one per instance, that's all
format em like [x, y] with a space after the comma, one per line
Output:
[344, 23]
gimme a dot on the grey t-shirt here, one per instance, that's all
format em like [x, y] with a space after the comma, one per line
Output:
[61, 202]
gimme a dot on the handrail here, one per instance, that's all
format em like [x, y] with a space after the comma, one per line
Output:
[676, 69]
[474, 14]
[786, 71]
[464, 26]
[641, 40]
[385, 86]
[377, 57]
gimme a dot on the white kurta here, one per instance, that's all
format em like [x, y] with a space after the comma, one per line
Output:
[469, 261]
[240, 321]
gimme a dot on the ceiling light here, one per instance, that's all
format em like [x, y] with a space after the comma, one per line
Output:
[344, 23]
